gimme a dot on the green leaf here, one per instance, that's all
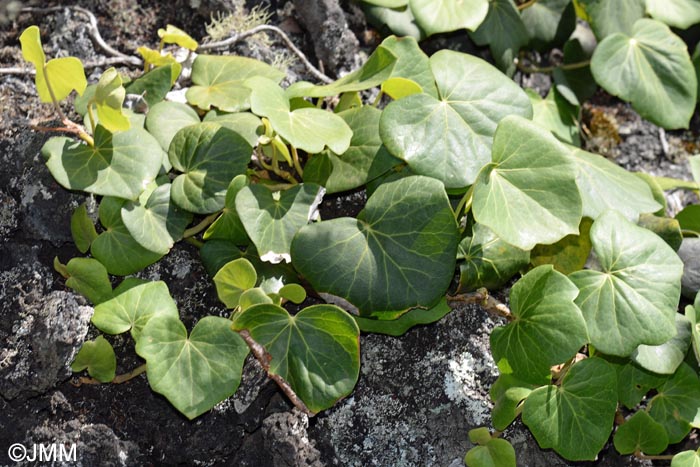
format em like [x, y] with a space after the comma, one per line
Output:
[664, 359]
[98, 358]
[271, 219]
[691, 313]
[154, 221]
[604, 185]
[252, 297]
[656, 191]
[666, 228]
[557, 115]
[549, 22]
[608, 17]
[89, 278]
[158, 59]
[399, 326]
[399, 252]
[216, 253]
[450, 138]
[575, 418]
[364, 160]
[677, 13]
[547, 329]
[209, 157]
[133, 308]
[651, 69]
[488, 261]
[504, 32]
[640, 433]
[411, 63]
[695, 167]
[495, 453]
[197, 372]
[317, 351]
[633, 383]
[507, 393]
[228, 225]
[576, 85]
[531, 177]
[218, 81]
[686, 459]
[173, 35]
[244, 123]
[109, 97]
[399, 21]
[677, 402]
[155, 84]
[567, 255]
[120, 164]
[293, 292]
[632, 300]
[309, 129]
[166, 118]
[82, 229]
[480, 435]
[115, 247]
[436, 16]
[234, 278]
[398, 88]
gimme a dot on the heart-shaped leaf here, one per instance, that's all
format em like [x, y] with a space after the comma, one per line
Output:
[155, 84]
[228, 225]
[120, 164]
[548, 328]
[132, 308]
[166, 118]
[632, 300]
[154, 221]
[640, 433]
[317, 351]
[109, 97]
[197, 372]
[531, 177]
[411, 63]
[435, 16]
[271, 219]
[504, 32]
[450, 138]
[209, 155]
[82, 229]
[677, 402]
[309, 129]
[115, 247]
[89, 278]
[97, 357]
[606, 17]
[399, 252]
[507, 394]
[364, 160]
[234, 278]
[651, 69]
[677, 13]
[497, 452]
[575, 418]
[549, 22]
[686, 459]
[218, 81]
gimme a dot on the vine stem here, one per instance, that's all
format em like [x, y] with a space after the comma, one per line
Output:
[643, 456]
[465, 203]
[549, 69]
[264, 358]
[297, 164]
[119, 379]
[527, 4]
[481, 297]
[206, 222]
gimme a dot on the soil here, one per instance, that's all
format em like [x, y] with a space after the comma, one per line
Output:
[418, 395]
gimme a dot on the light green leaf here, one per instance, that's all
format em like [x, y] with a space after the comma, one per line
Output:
[120, 164]
[218, 81]
[364, 160]
[695, 167]
[567, 255]
[435, 16]
[665, 358]
[228, 225]
[691, 313]
[272, 219]
[686, 459]
[488, 261]
[154, 221]
[677, 402]
[632, 300]
[549, 22]
[197, 372]
[317, 351]
[497, 452]
[398, 88]
[531, 177]
[677, 13]
[507, 394]
[32, 51]
[97, 357]
[640, 433]
[82, 229]
[133, 308]
[209, 157]
[610, 16]
[309, 129]
[244, 123]
[652, 70]
[399, 326]
[115, 247]
[234, 278]
[89, 278]
[557, 115]
[399, 252]
[412, 63]
[109, 97]
[504, 32]
[548, 328]
[173, 35]
[293, 292]
[575, 418]
[604, 185]
[166, 118]
[252, 297]
[450, 138]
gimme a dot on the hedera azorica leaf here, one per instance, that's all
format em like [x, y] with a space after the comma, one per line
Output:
[549, 22]
[234, 278]
[166, 118]
[82, 229]
[108, 100]
[504, 32]
[411, 63]
[677, 13]
[496, 452]
[98, 358]
[608, 17]
[228, 225]
[640, 433]
[317, 351]
[436, 16]
[89, 278]
[676, 404]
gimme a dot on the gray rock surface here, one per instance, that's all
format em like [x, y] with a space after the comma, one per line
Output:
[689, 252]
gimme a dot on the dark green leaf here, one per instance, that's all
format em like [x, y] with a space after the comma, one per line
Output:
[228, 225]
[549, 22]
[82, 229]
[677, 402]
[633, 383]
[504, 32]
[155, 84]
[640, 433]
[399, 326]
[567, 255]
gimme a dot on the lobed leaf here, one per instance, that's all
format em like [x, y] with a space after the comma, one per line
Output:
[98, 358]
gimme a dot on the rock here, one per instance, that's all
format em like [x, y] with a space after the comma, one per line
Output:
[690, 254]
[286, 438]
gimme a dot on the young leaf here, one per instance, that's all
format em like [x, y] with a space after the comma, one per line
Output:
[133, 308]
[504, 32]
[228, 225]
[109, 97]
[97, 357]
[272, 219]
[252, 297]
[209, 156]
[165, 119]
[675, 406]
[399, 326]
[449, 15]
[218, 81]
[548, 328]
[450, 138]
[399, 252]
[632, 300]
[686, 459]
[82, 229]
[89, 278]
[157, 59]
[173, 35]
[495, 453]
[197, 372]
[575, 418]
[531, 177]
[234, 278]
[650, 68]
[317, 351]
[507, 394]
[677, 13]
[411, 63]
[640, 433]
